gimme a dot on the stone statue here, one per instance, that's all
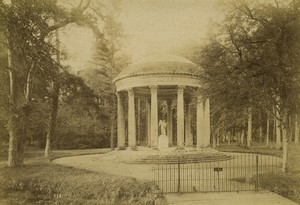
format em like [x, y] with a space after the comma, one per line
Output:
[163, 127]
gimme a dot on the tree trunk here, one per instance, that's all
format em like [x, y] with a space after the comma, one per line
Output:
[260, 127]
[215, 138]
[274, 128]
[242, 137]
[54, 106]
[223, 135]
[296, 130]
[268, 130]
[52, 121]
[260, 133]
[16, 146]
[249, 133]
[112, 125]
[285, 142]
[284, 150]
[278, 130]
[28, 101]
[16, 142]
[228, 137]
[112, 134]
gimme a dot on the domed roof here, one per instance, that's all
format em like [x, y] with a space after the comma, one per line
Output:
[160, 64]
[164, 58]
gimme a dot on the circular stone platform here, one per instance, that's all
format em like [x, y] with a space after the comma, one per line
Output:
[139, 164]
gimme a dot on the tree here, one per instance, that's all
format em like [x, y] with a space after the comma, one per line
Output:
[88, 127]
[108, 61]
[4, 90]
[28, 27]
[252, 61]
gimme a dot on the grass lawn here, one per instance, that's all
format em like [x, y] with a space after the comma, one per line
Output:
[257, 148]
[42, 182]
[33, 153]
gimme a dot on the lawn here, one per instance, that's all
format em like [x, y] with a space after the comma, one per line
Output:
[257, 148]
[42, 182]
[33, 153]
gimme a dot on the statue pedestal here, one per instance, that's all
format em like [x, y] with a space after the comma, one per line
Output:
[163, 141]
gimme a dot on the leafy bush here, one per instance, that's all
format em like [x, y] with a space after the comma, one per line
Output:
[73, 140]
[54, 184]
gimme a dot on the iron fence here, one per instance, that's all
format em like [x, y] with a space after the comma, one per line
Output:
[239, 173]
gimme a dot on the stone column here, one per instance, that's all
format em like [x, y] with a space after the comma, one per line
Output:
[180, 117]
[131, 120]
[200, 123]
[170, 123]
[148, 124]
[154, 116]
[207, 122]
[188, 134]
[121, 123]
[138, 122]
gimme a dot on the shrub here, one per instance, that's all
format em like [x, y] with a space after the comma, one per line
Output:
[72, 140]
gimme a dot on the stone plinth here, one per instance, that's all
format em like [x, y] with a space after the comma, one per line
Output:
[163, 141]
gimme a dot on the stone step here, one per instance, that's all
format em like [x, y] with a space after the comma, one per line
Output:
[172, 159]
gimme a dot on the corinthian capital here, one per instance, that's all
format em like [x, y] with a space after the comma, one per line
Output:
[153, 89]
[130, 92]
[180, 89]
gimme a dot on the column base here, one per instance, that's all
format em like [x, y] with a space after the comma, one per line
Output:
[154, 148]
[132, 148]
[179, 148]
[204, 147]
[121, 148]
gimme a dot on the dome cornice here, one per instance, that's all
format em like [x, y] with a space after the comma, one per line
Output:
[157, 74]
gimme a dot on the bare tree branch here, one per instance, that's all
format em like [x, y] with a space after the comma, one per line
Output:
[67, 21]
[239, 51]
[98, 13]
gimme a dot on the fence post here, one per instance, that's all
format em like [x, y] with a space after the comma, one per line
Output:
[257, 178]
[178, 188]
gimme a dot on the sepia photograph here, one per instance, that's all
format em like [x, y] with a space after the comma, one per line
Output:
[149, 102]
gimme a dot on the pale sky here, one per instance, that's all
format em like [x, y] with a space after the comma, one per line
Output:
[152, 26]
[160, 25]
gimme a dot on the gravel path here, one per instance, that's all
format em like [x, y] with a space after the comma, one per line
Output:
[112, 163]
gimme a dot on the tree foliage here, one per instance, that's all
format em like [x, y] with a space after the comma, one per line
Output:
[107, 62]
[28, 27]
[252, 60]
